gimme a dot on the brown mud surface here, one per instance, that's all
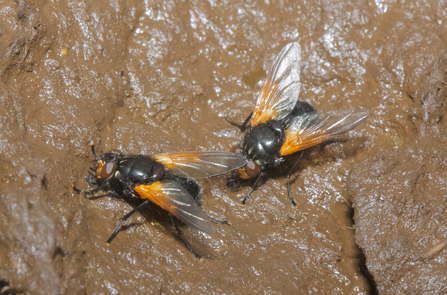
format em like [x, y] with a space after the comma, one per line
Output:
[160, 76]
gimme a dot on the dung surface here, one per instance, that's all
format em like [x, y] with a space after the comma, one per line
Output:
[161, 76]
[399, 204]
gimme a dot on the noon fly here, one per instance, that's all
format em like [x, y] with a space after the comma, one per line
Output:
[165, 180]
[281, 124]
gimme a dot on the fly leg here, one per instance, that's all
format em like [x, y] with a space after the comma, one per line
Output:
[92, 146]
[242, 127]
[289, 191]
[91, 179]
[234, 182]
[88, 194]
[182, 238]
[253, 187]
[123, 219]
[215, 220]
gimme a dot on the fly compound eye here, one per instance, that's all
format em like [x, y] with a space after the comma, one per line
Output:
[107, 170]
[251, 169]
[236, 150]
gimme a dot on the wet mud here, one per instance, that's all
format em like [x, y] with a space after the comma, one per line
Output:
[161, 76]
[399, 204]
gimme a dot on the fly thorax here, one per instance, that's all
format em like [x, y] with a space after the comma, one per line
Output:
[138, 169]
[263, 142]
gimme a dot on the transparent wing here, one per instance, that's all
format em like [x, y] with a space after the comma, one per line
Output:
[200, 164]
[281, 88]
[174, 198]
[310, 129]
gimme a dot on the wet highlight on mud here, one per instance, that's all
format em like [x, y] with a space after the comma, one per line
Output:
[361, 214]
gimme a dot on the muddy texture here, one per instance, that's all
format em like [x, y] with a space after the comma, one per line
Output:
[399, 201]
[160, 76]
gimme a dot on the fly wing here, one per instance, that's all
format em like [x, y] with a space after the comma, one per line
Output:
[310, 129]
[281, 88]
[200, 164]
[174, 198]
